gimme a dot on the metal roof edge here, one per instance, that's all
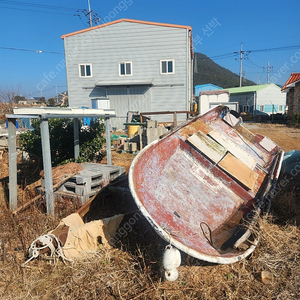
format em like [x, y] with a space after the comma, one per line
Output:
[126, 20]
[250, 88]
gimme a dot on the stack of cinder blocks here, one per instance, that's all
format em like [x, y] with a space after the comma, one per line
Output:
[92, 178]
[151, 132]
[145, 136]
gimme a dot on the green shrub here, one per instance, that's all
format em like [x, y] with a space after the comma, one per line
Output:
[61, 133]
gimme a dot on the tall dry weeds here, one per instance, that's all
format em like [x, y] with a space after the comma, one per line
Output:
[133, 270]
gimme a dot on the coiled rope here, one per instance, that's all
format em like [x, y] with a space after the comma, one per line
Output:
[46, 241]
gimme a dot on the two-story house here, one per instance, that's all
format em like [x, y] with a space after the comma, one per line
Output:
[130, 66]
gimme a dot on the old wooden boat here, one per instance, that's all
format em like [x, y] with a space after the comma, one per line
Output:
[203, 185]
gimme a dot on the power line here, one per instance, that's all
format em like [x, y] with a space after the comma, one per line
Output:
[39, 11]
[30, 50]
[38, 5]
[231, 54]
[41, 8]
[93, 17]
[221, 56]
[249, 64]
[277, 49]
[253, 63]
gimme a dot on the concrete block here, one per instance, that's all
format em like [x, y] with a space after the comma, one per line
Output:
[140, 130]
[132, 147]
[89, 181]
[126, 146]
[151, 124]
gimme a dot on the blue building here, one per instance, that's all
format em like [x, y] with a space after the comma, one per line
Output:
[205, 88]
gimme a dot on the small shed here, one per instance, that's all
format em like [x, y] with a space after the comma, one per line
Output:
[210, 99]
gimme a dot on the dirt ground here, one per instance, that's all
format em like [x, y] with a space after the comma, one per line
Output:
[286, 137]
[132, 269]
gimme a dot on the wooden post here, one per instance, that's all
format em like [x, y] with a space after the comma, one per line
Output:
[12, 146]
[76, 138]
[108, 145]
[47, 166]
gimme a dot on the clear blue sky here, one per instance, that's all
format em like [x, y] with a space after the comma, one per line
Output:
[260, 25]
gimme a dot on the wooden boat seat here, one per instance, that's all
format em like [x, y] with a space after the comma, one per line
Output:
[239, 170]
[232, 163]
[208, 146]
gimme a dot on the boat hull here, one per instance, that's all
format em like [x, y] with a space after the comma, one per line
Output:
[204, 184]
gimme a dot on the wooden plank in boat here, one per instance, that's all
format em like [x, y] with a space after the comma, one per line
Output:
[201, 126]
[207, 146]
[234, 149]
[239, 170]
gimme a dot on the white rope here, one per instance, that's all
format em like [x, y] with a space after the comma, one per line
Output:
[47, 242]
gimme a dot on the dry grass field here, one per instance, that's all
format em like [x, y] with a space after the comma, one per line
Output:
[132, 269]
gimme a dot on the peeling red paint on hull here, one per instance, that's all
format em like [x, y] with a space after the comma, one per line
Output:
[198, 184]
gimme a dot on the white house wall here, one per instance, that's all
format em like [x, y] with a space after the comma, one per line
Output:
[206, 100]
[142, 44]
[271, 98]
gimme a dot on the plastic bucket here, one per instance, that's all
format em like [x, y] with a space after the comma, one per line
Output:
[132, 129]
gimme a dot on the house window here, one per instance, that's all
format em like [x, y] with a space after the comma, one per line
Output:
[167, 66]
[125, 68]
[262, 108]
[246, 108]
[85, 70]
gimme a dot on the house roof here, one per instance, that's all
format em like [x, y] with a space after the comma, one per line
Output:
[126, 20]
[208, 85]
[215, 92]
[295, 77]
[249, 89]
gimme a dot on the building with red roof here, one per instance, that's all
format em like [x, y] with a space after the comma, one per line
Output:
[292, 88]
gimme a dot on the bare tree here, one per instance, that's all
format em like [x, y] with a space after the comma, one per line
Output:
[8, 97]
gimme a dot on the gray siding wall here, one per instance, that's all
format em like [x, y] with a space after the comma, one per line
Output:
[143, 44]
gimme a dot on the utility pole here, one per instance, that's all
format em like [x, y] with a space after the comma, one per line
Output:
[90, 14]
[195, 65]
[56, 93]
[241, 52]
[269, 69]
[93, 17]
[241, 63]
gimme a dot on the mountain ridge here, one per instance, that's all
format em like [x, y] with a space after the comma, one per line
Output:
[207, 71]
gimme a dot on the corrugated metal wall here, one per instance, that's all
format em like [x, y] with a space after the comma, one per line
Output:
[143, 44]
